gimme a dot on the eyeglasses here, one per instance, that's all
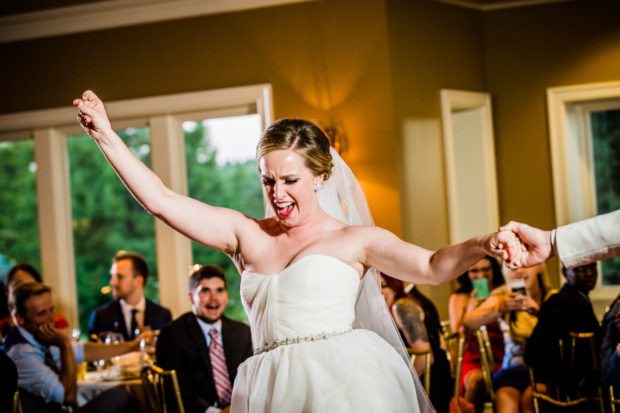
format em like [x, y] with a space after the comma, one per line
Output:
[477, 270]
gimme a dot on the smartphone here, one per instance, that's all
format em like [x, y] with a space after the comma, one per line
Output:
[518, 286]
[482, 287]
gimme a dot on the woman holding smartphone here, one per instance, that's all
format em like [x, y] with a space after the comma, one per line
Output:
[481, 280]
[516, 309]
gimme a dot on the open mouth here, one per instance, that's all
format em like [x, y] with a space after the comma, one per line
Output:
[285, 208]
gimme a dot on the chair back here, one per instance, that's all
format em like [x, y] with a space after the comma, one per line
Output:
[613, 400]
[570, 354]
[456, 347]
[487, 363]
[162, 390]
[17, 403]
[413, 353]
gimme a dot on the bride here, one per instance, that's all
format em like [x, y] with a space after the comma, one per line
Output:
[311, 306]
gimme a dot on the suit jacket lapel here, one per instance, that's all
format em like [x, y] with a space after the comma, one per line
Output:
[147, 313]
[229, 338]
[122, 327]
[200, 343]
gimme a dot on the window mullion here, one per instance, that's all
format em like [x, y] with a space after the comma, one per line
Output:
[55, 227]
[173, 249]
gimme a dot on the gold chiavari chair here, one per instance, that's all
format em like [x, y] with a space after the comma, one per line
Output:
[554, 395]
[613, 400]
[17, 402]
[158, 385]
[427, 365]
[456, 347]
[487, 362]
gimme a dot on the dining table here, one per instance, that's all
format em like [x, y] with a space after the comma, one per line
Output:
[123, 372]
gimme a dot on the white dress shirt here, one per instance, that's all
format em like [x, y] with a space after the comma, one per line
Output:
[126, 309]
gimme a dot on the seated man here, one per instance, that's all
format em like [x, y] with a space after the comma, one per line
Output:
[570, 310]
[189, 344]
[610, 349]
[24, 272]
[130, 311]
[46, 359]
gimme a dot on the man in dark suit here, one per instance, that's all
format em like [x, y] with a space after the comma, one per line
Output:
[187, 344]
[130, 311]
[570, 310]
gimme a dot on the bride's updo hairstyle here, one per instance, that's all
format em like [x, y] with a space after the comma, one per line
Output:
[306, 138]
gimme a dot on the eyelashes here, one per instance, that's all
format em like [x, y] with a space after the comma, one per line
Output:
[269, 181]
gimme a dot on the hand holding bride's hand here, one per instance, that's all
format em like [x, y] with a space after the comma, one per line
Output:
[92, 115]
[505, 245]
[536, 248]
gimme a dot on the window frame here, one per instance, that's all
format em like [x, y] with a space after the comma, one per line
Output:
[164, 115]
[572, 158]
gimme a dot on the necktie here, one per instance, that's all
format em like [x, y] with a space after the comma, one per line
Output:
[220, 371]
[49, 361]
[134, 323]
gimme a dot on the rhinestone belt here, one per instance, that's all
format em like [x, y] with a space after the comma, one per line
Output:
[287, 341]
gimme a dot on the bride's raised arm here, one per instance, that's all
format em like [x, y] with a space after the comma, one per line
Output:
[386, 252]
[211, 226]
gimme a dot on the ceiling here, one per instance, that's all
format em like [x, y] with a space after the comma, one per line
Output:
[24, 20]
[19, 7]
[488, 5]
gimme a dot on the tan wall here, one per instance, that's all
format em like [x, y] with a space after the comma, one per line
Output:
[432, 46]
[377, 66]
[527, 51]
[324, 59]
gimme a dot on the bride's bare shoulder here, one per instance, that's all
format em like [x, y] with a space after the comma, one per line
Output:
[365, 230]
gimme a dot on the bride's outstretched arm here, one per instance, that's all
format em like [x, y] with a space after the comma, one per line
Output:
[212, 226]
[386, 252]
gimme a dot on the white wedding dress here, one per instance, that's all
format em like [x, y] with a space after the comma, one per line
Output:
[325, 366]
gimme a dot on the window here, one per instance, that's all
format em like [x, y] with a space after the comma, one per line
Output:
[153, 128]
[19, 224]
[221, 171]
[584, 124]
[605, 134]
[106, 219]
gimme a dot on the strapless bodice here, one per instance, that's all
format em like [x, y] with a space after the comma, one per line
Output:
[314, 295]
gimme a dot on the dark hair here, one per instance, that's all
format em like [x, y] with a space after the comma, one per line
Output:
[464, 283]
[395, 285]
[21, 294]
[306, 138]
[206, 271]
[140, 267]
[23, 267]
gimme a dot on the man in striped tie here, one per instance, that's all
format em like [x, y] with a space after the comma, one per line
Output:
[204, 346]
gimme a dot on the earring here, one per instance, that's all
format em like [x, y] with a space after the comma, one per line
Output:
[317, 186]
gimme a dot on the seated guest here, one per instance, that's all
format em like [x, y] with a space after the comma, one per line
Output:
[570, 310]
[130, 312]
[193, 344]
[4, 303]
[19, 273]
[610, 351]
[517, 314]
[46, 359]
[487, 276]
[418, 320]
[8, 381]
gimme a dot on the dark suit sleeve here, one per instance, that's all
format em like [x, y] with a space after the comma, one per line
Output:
[167, 316]
[542, 347]
[156, 316]
[609, 360]
[172, 348]
[92, 324]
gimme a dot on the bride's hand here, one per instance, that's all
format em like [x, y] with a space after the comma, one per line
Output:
[506, 245]
[92, 115]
